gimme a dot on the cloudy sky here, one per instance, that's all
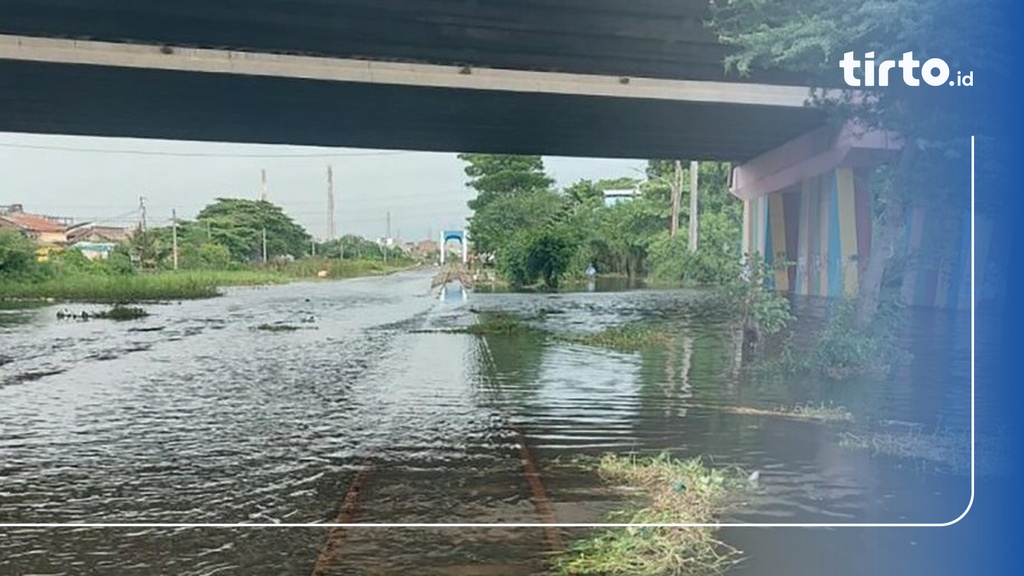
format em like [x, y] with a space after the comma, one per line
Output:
[103, 178]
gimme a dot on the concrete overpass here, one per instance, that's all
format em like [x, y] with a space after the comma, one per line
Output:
[598, 78]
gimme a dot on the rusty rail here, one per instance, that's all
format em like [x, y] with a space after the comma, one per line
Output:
[345, 514]
[539, 496]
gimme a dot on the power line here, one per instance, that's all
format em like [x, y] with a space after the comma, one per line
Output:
[201, 154]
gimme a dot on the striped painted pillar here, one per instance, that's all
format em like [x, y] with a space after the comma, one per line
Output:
[937, 250]
[815, 236]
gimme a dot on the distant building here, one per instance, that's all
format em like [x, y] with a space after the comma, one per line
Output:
[426, 248]
[90, 232]
[45, 230]
[613, 197]
[95, 250]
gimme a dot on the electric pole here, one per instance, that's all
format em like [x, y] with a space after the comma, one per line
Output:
[387, 239]
[142, 211]
[263, 177]
[677, 191]
[264, 245]
[694, 175]
[330, 203]
[174, 237]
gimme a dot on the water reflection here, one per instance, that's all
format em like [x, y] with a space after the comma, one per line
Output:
[193, 414]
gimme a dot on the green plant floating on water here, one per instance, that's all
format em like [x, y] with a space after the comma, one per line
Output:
[495, 323]
[670, 491]
[118, 312]
[942, 448]
[627, 338]
[807, 412]
[278, 327]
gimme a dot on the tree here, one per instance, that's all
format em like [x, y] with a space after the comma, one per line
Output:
[17, 255]
[493, 225]
[543, 253]
[495, 175]
[811, 36]
[352, 247]
[238, 224]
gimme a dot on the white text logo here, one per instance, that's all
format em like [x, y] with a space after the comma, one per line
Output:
[934, 72]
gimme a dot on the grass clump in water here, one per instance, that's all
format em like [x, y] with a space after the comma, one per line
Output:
[278, 327]
[944, 448]
[118, 313]
[496, 323]
[808, 412]
[627, 338]
[122, 313]
[671, 492]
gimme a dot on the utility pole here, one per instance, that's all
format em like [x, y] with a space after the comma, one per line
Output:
[174, 237]
[694, 175]
[142, 211]
[330, 204]
[677, 191]
[264, 245]
[387, 239]
[263, 176]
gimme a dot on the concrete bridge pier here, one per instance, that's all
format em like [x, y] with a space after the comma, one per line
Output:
[808, 214]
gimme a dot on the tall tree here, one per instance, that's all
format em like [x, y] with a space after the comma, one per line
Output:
[812, 37]
[495, 175]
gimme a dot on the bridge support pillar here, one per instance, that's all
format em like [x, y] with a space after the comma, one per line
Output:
[807, 212]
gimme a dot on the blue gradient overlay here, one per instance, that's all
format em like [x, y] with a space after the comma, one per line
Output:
[988, 539]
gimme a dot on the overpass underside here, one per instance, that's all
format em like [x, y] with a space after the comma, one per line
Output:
[592, 78]
[109, 101]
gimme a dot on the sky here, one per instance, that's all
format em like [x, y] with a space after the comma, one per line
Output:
[101, 179]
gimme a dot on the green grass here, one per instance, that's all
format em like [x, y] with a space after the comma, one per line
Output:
[626, 338]
[180, 285]
[671, 492]
[335, 268]
[115, 288]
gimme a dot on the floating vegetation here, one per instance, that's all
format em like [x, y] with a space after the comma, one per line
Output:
[944, 448]
[495, 323]
[807, 412]
[117, 313]
[627, 338]
[279, 327]
[670, 491]
[34, 375]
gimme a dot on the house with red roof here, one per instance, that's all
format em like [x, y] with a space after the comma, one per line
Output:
[45, 230]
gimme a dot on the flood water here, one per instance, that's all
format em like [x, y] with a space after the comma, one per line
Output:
[197, 415]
